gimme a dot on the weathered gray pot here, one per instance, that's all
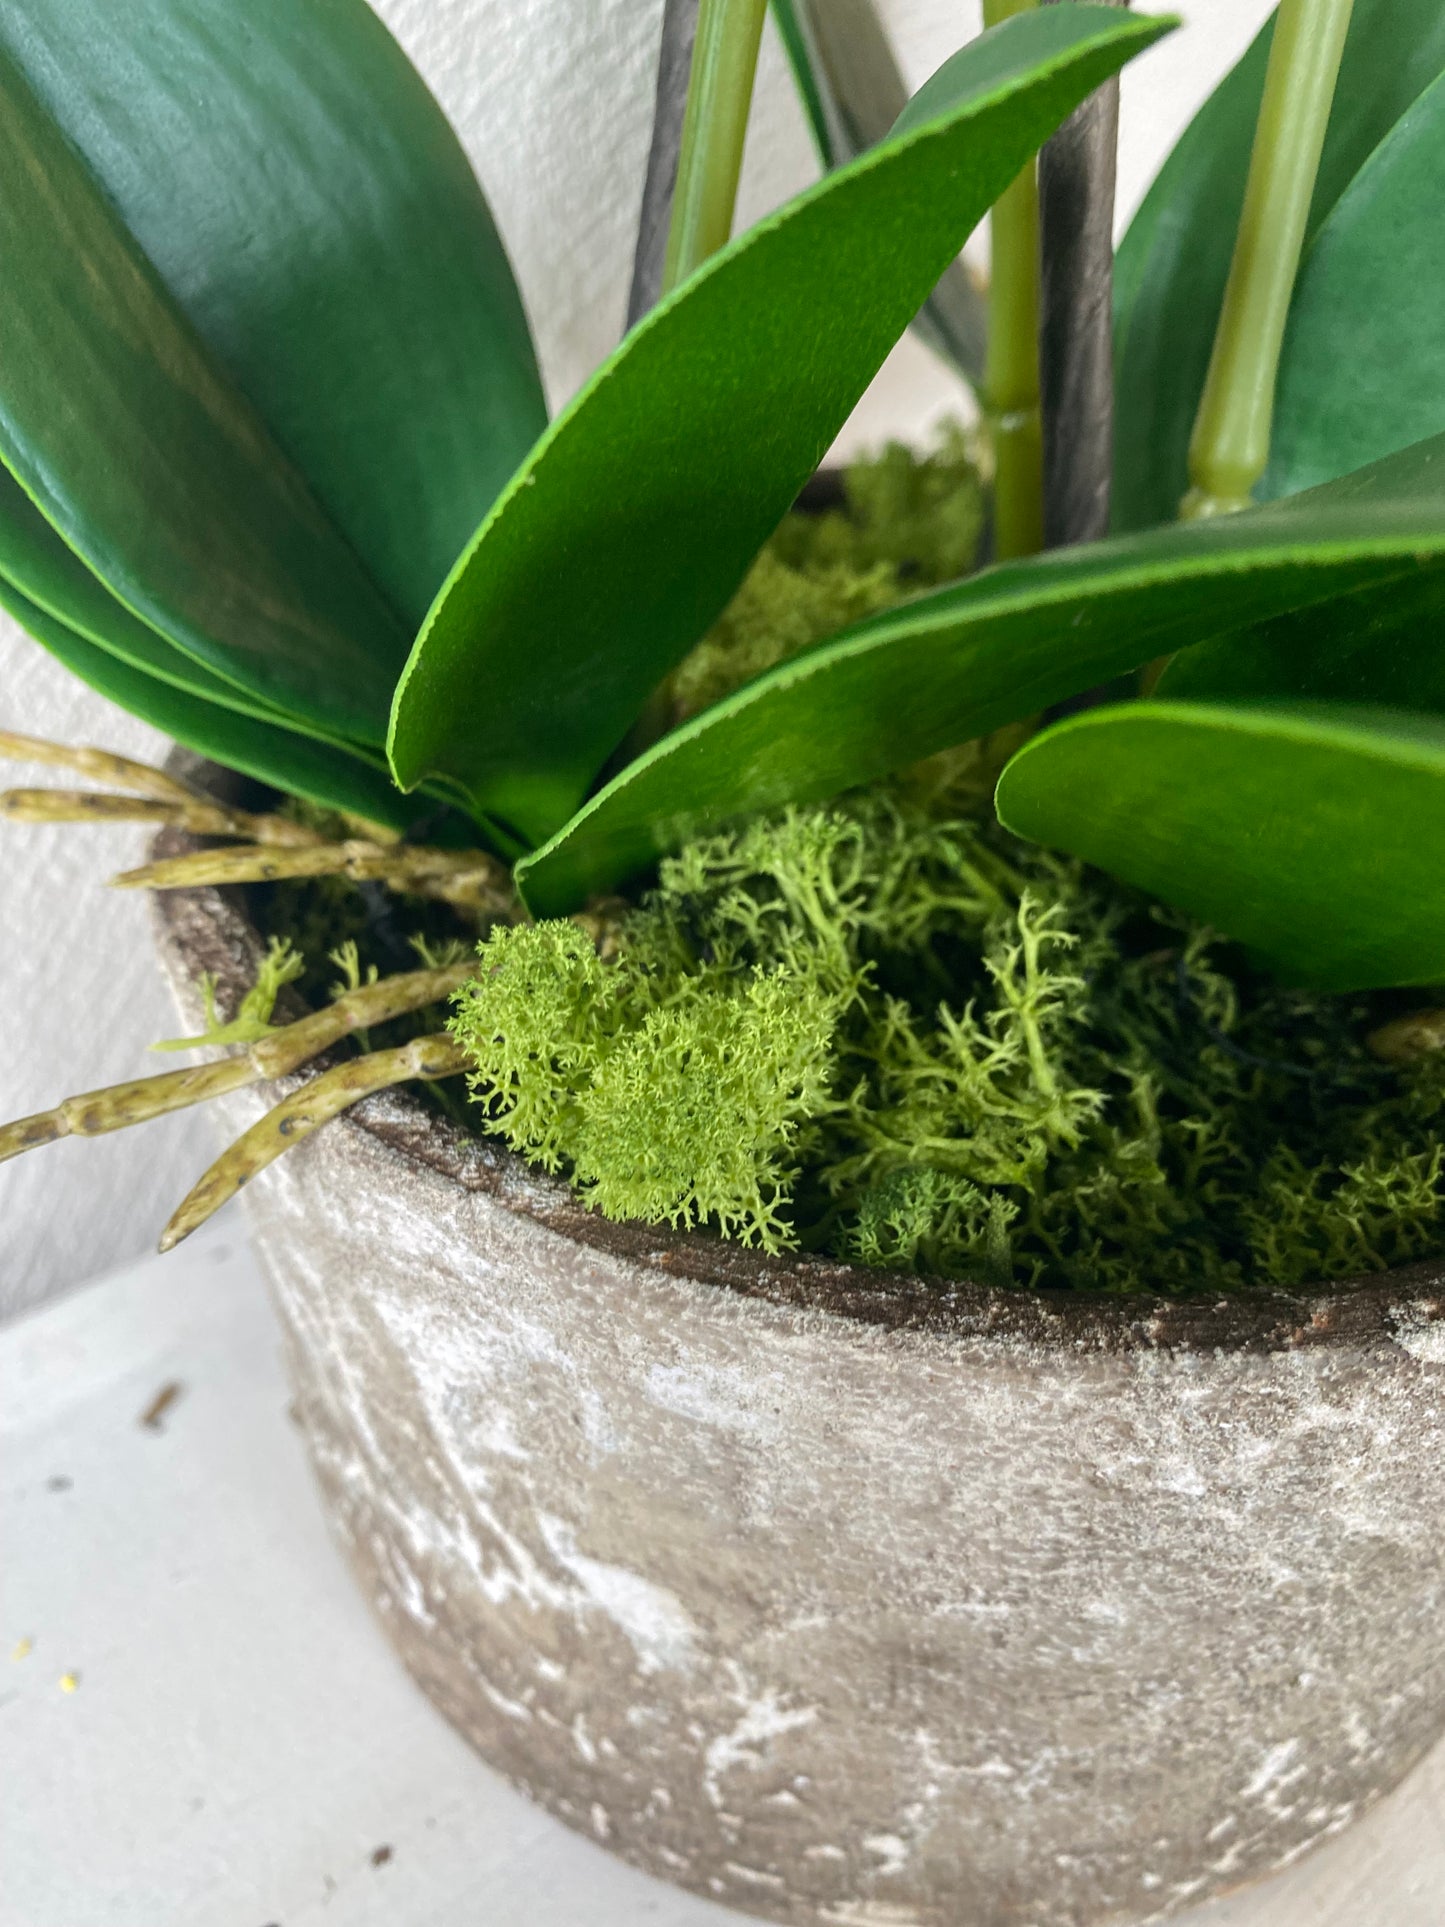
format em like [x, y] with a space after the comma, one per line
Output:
[854, 1600]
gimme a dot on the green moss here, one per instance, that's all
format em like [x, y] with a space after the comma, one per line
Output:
[282, 964]
[907, 1038]
[906, 524]
[888, 1030]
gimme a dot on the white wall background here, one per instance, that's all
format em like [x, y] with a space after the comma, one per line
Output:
[553, 100]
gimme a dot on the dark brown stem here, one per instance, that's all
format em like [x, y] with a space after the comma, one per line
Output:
[1076, 367]
[674, 66]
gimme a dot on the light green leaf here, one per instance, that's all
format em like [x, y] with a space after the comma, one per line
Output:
[1312, 836]
[1174, 261]
[1001, 646]
[852, 92]
[627, 530]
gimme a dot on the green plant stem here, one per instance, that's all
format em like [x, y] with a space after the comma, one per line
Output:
[1011, 370]
[719, 94]
[1230, 444]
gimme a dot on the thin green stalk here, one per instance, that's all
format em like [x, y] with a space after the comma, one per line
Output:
[1230, 445]
[1011, 370]
[719, 94]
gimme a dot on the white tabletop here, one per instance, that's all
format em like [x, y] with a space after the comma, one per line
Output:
[200, 1726]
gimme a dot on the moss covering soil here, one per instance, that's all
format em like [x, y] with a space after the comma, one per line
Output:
[888, 1030]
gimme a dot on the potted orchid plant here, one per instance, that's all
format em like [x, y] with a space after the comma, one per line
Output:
[1035, 967]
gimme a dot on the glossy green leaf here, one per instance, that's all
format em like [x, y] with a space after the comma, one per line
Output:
[1000, 646]
[151, 464]
[271, 752]
[1313, 836]
[262, 361]
[301, 195]
[1363, 368]
[1174, 261]
[49, 576]
[852, 92]
[1386, 650]
[627, 530]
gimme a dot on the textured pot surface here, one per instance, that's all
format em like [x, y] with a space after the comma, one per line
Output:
[850, 1601]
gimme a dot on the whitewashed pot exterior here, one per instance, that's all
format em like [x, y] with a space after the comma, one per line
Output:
[847, 1603]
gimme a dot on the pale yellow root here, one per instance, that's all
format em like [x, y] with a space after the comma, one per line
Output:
[1408, 1039]
[199, 817]
[469, 879]
[295, 1118]
[121, 1105]
[101, 765]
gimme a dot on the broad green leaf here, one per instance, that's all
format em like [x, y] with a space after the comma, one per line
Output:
[1000, 646]
[152, 465]
[270, 752]
[1174, 262]
[49, 576]
[628, 528]
[1363, 367]
[1313, 836]
[1385, 650]
[301, 197]
[852, 92]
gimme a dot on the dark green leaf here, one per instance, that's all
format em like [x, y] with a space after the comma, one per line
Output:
[301, 196]
[1379, 649]
[1312, 836]
[270, 752]
[626, 532]
[998, 647]
[1363, 367]
[1174, 262]
[49, 576]
[153, 467]
[262, 363]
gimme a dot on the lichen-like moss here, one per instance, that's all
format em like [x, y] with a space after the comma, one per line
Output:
[908, 523]
[913, 1040]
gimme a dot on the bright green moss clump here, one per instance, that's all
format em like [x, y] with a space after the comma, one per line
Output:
[915, 1041]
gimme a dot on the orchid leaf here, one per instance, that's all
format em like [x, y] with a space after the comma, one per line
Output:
[1311, 835]
[1387, 650]
[1363, 369]
[262, 361]
[852, 92]
[996, 648]
[631, 524]
[1363, 365]
[48, 576]
[272, 752]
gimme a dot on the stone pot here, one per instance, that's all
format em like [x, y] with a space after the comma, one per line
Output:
[855, 1599]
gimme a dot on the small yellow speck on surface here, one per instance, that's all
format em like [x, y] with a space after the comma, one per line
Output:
[69, 1682]
[22, 1649]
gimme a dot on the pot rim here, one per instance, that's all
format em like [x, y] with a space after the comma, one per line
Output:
[209, 930]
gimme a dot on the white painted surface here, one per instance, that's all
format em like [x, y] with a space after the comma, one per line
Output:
[239, 1741]
[553, 99]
